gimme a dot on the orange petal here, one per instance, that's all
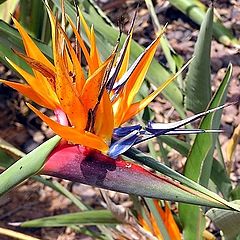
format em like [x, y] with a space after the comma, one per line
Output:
[85, 26]
[31, 48]
[79, 75]
[72, 134]
[45, 91]
[92, 86]
[82, 45]
[104, 122]
[29, 93]
[137, 107]
[94, 55]
[68, 98]
[168, 220]
[138, 74]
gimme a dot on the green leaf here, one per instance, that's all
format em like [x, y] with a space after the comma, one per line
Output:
[10, 149]
[200, 160]
[218, 173]
[196, 11]
[221, 179]
[26, 166]
[5, 160]
[91, 217]
[2, 1]
[34, 19]
[235, 194]
[168, 51]
[227, 221]
[198, 80]
[15, 235]
[202, 167]
[8, 152]
[55, 185]
[179, 145]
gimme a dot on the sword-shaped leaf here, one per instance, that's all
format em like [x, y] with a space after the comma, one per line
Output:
[26, 166]
[198, 80]
[90, 217]
[201, 157]
[227, 221]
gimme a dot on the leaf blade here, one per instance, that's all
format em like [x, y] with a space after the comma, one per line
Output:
[86, 218]
[26, 166]
[198, 80]
[201, 157]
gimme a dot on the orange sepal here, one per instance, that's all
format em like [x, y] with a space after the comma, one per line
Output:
[168, 220]
[40, 67]
[53, 30]
[82, 45]
[155, 227]
[45, 91]
[29, 93]
[67, 60]
[139, 106]
[73, 134]
[94, 55]
[138, 74]
[143, 223]
[31, 48]
[68, 98]
[134, 81]
[104, 122]
[85, 26]
[92, 86]
[119, 109]
[80, 80]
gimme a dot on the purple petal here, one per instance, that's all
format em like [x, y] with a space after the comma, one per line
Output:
[172, 126]
[123, 131]
[123, 144]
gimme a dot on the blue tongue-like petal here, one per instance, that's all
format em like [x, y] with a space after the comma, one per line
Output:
[123, 131]
[125, 137]
[122, 145]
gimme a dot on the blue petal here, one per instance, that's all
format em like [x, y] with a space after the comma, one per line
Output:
[123, 144]
[171, 126]
[123, 131]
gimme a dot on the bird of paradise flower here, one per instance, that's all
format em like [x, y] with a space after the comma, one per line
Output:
[90, 111]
